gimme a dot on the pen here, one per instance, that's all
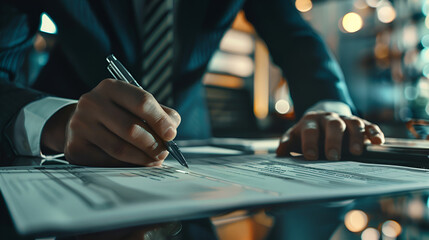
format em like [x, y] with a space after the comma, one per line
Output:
[119, 72]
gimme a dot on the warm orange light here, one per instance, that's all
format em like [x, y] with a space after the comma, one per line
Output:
[391, 229]
[226, 81]
[241, 23]
[355, 220]
[303, 5]
[416, 209]
[261, 83]
[40, 43]
[381, 51]
[352, 22]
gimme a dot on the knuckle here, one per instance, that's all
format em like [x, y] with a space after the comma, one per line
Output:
[118, 150]
[177, 116]
[75, 123]
[134, 131]
[356, 122]
[310, 124]
[374, 126]
[161, 119]
[147, 102]
[331, 114]
[309, 131]
[151, 146]
[106, 83]
[310, 115]
[335, 124]
[84, 101]
[86, 97]
[332, 141]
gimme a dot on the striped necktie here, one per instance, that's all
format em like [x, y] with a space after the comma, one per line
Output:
[158, 49]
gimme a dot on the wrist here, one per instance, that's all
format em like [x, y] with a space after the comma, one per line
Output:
[53, 133]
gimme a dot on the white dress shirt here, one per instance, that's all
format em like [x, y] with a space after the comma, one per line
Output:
[27, 130]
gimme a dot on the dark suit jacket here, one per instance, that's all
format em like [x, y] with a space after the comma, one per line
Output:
[88, 31]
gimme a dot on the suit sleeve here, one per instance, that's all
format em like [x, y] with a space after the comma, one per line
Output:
[17, 30]
[312, 72]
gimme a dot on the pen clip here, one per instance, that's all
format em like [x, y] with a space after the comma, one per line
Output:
[113, 72]
[120, 70]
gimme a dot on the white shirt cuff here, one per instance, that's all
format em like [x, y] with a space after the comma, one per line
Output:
[30, 121]
[332, 106]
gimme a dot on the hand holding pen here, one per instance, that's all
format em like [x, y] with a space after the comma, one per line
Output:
[119, 72]
[115, 124]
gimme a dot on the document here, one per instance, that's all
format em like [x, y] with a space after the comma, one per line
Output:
[411, 146]
[70, 199]
[397, 151]
[244, 144]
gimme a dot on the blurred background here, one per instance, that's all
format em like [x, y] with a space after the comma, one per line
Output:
[381, 45]
[383, 49]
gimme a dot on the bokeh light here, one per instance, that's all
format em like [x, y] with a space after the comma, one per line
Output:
[360, 4]
[410, 36]
[427, 22]
[372, 3]
[386, 13]
[237, 42]
[237, 65]
[282, 106]
[352, 22]
[303, 5]
[425, 8]
[391, 229]
[416, 208]
[355, 220]
[424, 55]
[411, 93]
[425, 41]
[381, 51]
[426, 70]
[370, 234]
[427, 112]
[423, 86]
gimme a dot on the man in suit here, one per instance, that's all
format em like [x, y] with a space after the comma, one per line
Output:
[113, 123]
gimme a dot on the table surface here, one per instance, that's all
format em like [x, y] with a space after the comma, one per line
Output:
[398, 216]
